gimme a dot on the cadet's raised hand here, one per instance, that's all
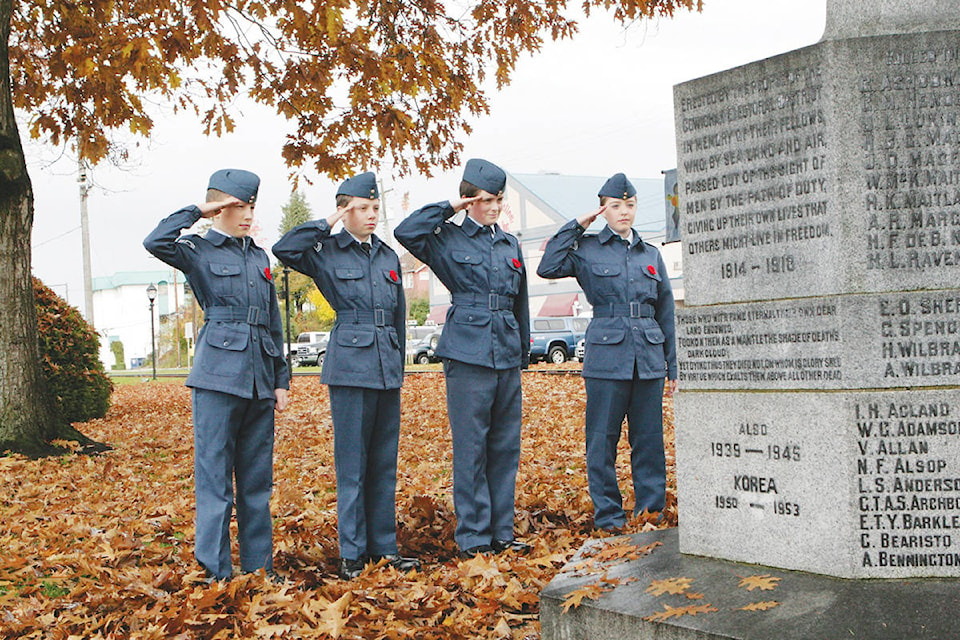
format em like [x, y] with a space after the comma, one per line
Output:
[587, 219]
[463, 203]
[339, 214]
[212, 208]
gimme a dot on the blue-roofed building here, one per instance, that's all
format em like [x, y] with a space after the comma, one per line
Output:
[537, 204]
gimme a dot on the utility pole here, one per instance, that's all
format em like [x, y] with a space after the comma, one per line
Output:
[85, 242]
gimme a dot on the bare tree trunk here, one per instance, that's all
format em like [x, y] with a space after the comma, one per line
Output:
[27, 422]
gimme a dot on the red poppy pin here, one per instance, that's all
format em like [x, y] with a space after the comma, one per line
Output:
[516, 263]
[652, 271]
[393, 275]
[266, 272]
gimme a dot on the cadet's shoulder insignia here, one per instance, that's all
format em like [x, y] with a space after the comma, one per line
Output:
[437, 230]
[188, 242]
[318, 247]
[576, 245]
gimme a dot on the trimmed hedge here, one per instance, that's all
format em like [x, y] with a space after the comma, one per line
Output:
[69, 351]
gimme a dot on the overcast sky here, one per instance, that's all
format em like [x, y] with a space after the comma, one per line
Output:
[596, 105]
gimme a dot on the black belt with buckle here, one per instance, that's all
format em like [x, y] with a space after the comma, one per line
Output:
[362, 316]
[631, 310]
[492, 301]
[250, 315]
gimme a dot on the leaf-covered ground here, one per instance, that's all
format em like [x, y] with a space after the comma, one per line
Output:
[101, 546]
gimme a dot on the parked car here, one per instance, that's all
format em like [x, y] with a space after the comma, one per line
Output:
[311, 348]
[581, 349]
[555, 339]
[422, 351]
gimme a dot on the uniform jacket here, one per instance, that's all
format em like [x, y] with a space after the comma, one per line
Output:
[241, 342]
[632, 301]
[488, 323]
[366, 347]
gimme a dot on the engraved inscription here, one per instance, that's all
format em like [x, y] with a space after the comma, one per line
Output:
[755, 190]
[908, 483]
[910, 111]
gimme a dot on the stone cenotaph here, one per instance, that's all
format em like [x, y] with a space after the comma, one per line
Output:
[818, 423]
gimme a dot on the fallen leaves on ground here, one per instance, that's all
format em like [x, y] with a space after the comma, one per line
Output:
[102, 546]
[760, 606]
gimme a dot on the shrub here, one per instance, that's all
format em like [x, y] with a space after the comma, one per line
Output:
[116, 348]
[69, 351]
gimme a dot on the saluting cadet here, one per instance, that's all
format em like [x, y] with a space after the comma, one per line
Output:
[484, 344]
[630, 347]
[239, 374]
[359, 276]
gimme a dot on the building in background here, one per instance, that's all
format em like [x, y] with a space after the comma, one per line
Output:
[122, 312]
[536, 205]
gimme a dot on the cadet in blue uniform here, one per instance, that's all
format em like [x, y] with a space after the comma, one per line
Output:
[359, 276]
[239, 374]
[629, 347]
[484, 344]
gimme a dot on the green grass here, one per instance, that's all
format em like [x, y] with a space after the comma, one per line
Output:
[52, 590]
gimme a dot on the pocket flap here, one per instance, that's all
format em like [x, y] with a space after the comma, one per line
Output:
[349, 273]
[223, 336]
[654, 335]
[392, 276]
[471, 315]
[354, 337]
[606, 336]
[466, 257]
[225, 269]
[651, 272]
[603, 270]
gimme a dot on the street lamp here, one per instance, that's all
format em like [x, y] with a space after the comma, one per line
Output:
[286, 311]
[151, 296]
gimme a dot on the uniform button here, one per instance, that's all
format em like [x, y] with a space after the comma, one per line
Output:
[469, 317]
[226, 343]
[496, 268]
[354, 341]
[606, 270]
[251, 283]
[374, 283]
[255, 338]
[635, 328]
[604, 338]
[632, 280]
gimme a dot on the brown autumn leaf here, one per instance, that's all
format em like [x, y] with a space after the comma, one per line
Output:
[760, 606]
[673, 586]
[763, 582]
[678, 612]
[591, 591]
[693, 596]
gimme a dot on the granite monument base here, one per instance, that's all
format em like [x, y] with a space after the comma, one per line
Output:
[793, 606]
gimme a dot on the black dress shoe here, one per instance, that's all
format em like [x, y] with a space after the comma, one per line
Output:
[399, 562]
[350, 569]
[475, 551]
[510, 545]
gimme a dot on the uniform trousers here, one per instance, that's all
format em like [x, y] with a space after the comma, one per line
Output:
[366, 434]
[484, 409]
[233, 441]
[608, 402]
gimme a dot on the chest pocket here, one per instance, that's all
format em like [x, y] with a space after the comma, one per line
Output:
[226, 279]
[606, 279]
[349, 280]
[392, 276]
[513, 274]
